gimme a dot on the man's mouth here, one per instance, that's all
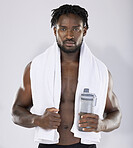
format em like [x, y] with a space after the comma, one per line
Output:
[69, 43]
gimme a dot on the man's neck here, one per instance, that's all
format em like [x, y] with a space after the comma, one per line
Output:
[70, 57]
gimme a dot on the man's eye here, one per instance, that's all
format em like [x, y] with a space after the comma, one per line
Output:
[63, 29]
[76, 29]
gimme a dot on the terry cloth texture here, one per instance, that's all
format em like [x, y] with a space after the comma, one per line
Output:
[45, 77]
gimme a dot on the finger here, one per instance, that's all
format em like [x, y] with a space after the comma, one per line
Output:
[88, 120]
[89, 115]
[88, 125]
[89, 129]
[92, 120]
[82, 120]
[83, 125]
[57, 123]
[54, 119]
[54, 127]
[53, 109]
[53, 124]
[56, 115]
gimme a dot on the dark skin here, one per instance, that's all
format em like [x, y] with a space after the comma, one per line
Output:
[68, 27]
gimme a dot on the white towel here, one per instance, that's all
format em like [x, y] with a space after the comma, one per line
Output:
[45, 77]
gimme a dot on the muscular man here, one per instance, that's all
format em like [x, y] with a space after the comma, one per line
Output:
[70, 26]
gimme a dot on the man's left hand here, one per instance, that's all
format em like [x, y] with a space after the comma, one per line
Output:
[92, 121]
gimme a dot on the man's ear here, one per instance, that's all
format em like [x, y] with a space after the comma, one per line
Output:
[85, 31]
[54, 31]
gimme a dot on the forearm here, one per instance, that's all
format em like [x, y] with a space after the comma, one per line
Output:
[23, 117]
[111, 121]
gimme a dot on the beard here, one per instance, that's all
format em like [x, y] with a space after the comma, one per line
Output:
[62, 48]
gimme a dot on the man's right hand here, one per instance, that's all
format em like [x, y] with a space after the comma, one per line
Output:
[49, 120]
[23, 103]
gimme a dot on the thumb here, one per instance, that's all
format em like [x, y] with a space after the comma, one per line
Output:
[53, 109]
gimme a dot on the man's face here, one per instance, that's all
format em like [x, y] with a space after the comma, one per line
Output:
[69, 32]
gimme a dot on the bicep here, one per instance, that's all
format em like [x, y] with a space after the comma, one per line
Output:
[111, 100]
[24, 96]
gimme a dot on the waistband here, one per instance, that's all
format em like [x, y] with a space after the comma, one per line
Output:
[77, 145]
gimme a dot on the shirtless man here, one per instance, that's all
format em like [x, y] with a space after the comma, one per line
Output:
[69, 31]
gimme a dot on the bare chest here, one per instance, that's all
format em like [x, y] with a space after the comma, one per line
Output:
[69, 79]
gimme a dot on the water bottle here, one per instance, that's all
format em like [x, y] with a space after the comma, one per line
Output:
[88, 101]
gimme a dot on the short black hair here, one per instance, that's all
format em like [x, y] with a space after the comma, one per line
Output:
[66, 9]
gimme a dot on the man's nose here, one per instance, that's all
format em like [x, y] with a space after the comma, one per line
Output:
[69, 34]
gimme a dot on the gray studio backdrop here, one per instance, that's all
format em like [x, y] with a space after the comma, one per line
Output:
[25, 32]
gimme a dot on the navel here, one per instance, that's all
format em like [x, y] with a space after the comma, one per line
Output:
[65, 126]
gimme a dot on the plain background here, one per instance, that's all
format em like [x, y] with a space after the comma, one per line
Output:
[25, 32]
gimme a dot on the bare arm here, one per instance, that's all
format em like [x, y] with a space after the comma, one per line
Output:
[23, 103]
[112, 110]
[21, 108]
[112, 114]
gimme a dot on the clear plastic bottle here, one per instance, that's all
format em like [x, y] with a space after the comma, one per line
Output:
[88, 101]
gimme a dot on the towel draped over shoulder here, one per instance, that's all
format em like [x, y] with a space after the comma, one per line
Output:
[45, 75]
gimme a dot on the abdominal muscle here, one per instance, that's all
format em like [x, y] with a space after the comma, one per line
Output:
[67, 117]
[66, 110]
